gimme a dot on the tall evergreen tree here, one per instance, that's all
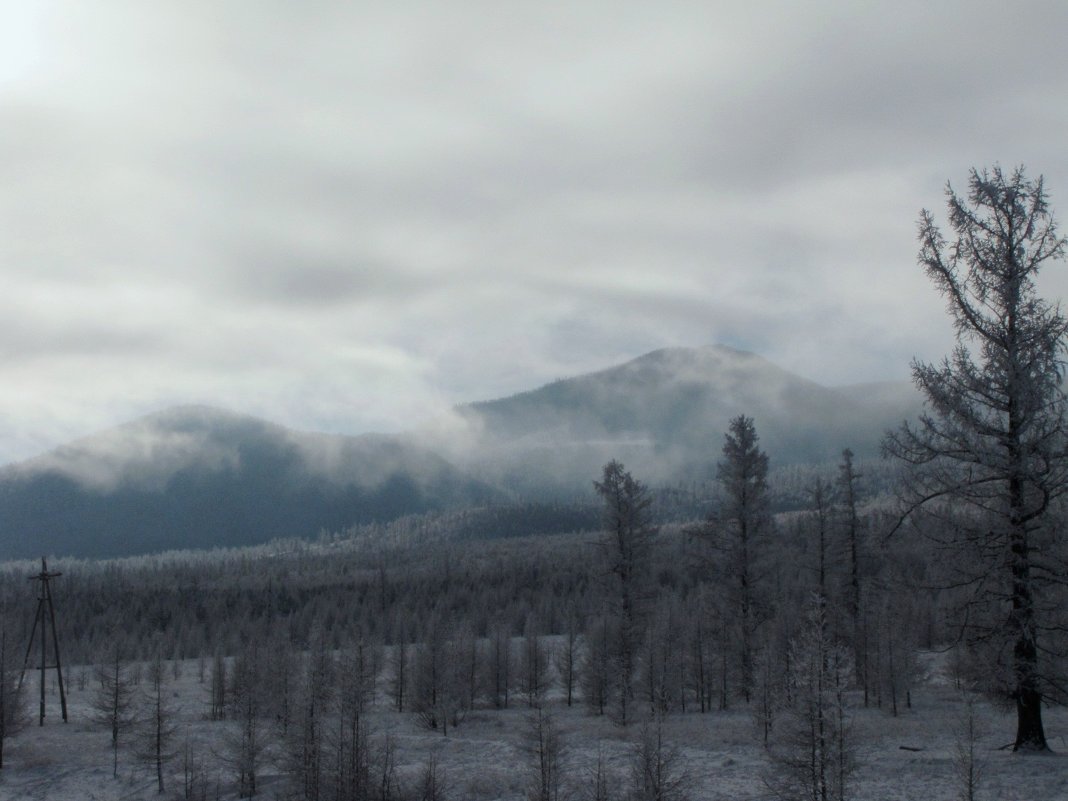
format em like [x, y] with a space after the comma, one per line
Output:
[740, 530]
[849, 497]
[627, 545]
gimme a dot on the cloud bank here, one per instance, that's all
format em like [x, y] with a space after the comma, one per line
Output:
[348, 217]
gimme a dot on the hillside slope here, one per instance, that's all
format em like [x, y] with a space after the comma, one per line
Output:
[193, 477]
[664, 415]
[197, 477]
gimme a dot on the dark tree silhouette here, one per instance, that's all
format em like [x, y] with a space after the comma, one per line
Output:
[740, 527]
[628, 542]
[990, 446]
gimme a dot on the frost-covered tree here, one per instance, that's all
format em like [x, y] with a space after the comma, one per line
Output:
[533, 664]
[849, 498]
[398, 680]
[497, 678]
[657, 773]
[596, 675]
[990, 448]
[438, 679]
[433, 781]
[968, 764]
[12, 713]
[813, 754]
[156, 724]
[305, 742]
[566, 657]
[546, 751]
[627, 546]
[113, 702]
[739, 530]
[350, 742]
[245, 743]
[217, 690]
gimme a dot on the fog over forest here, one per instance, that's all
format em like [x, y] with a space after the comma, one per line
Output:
[533, 401]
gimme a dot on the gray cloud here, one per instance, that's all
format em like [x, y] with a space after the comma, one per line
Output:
[348, 217]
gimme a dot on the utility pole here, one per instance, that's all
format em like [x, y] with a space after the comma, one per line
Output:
[45, 616]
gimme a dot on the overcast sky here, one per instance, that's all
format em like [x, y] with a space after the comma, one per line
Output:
[348, 216]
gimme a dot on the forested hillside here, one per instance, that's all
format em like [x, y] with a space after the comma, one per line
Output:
[196, 477]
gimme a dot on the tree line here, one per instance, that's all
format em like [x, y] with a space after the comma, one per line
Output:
[798, 614]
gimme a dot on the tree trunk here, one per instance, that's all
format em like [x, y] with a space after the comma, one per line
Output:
[1030, 734]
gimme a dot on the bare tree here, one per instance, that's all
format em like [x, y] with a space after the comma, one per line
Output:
[350, 740]
[217, 691]
[306, 740]
[894, 661]
[438, 679]
[12, 713]
[533, 664]
[566, 658]
[849, 492]
[596, 672]
[398, 682]
[194, 780]
[600, 780]
[387, 785]
[813, 755]
[244, 744]
[967, 763]
[157, 723]
[991, 442]
[113, 702]
[433, 783]
[546, 749]
[770, 689]
[498, 677]
[657, 773]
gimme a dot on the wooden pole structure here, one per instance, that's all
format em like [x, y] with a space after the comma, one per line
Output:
[43, 617]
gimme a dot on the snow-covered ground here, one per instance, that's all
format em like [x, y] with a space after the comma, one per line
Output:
[486, 756]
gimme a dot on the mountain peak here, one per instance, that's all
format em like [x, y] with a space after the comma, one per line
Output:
[201, 475]
[709, 359]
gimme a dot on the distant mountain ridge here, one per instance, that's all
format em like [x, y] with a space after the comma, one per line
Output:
[664, 414]
[196, 476]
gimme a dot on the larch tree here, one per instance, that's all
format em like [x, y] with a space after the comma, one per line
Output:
[566, 657]
[989, 450]
[113, 702]
[740, 528]
[849, 492]
[157, 728]
[627, 544]
[813, 754]
[848, 479]
[547, 754]
[244, 744]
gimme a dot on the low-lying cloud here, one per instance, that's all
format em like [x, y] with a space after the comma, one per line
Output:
[350, 218]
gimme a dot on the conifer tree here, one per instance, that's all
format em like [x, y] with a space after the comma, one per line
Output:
[740, 530]
[113, 702]
[627, 545]
[990, 448]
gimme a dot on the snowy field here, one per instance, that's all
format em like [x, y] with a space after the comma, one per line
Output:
[487, 756]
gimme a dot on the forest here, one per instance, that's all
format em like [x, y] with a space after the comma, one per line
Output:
[591, 649]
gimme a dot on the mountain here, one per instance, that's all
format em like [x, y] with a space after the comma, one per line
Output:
[193, 477]
[196, 477]
[664, 414]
